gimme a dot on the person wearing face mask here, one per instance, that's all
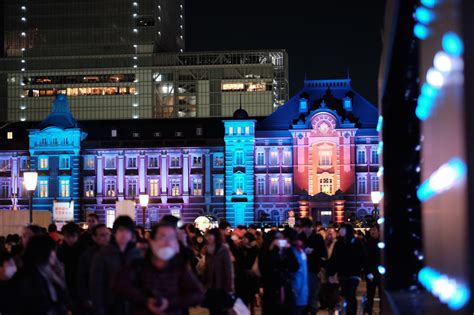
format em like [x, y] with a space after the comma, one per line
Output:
[7, 270]
[160, 283]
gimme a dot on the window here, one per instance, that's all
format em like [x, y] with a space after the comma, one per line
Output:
[4, 165]
[325, 158]
[5, 189]
[174, 161]
[136, 135]
[273, 157]
[375, 157]
[178, 134]
[132, 162]
[274, 186]
[175, 212]
[239, 130]
[153, 187]
[239, 185]
[64, 163]
[153, 162]
[260, 186]
[132, 187]
[175, 187]
[65, 141]
[361, 157]
[110, 218]
[239, 157]
[54, 141]
[375, 183]
[218, 160]
[89, 187]
[25, 163]
[44, 141]
[110, 187]
[64, 188]
[231, 130]
[157, 134]
[10, 135]
[197, 186]
[43, 188]
[219, 186]
[361, 185]
[197, 161]
[260, 158]
[287, 158]
[247, 130]
[89, 163]
[325, 185]
[198, 131]
[43, 163]
[113, 133]
[288, 187]
[110, 162]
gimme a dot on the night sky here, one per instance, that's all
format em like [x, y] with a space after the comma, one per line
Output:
[324, 39]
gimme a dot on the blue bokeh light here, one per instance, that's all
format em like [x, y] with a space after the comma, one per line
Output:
[453, 44]
[429, 3]
[424, 15]
[424, 107]
[421, 31]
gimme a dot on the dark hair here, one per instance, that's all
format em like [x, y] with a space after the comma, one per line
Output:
[170, 219]
[350, 232]
[224, 225]
[93, 215]
[5, 256]
[290, 234]
[97, 227]
[306, 222]
[70, 228]
[160, 225]
[13, 238]
[35, 229]
[124, 221]
[249, 236]
[38, 250]
[52, 228]
[217, 237]
[189, 228]
[241, 227]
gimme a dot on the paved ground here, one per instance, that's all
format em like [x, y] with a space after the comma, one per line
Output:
[360, 293]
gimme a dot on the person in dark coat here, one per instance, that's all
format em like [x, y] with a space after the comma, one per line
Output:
[40, 286]
[7, 271]
[315, 249]
[373, 261]
[68, 254]
[246, 280]
[160, 283]
[85, 239]
[107, 264]
[101, 237]
[348, 261]
[277, 262]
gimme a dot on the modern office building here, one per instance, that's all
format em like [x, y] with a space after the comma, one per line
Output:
[166, 85]
[317, 155]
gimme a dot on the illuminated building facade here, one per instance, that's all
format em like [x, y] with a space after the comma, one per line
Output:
[316, 154]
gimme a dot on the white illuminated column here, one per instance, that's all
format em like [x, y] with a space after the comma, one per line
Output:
[144, 198]
[31, 181]
[376, 196]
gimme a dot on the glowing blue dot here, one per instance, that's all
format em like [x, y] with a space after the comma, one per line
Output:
[453, 44]
[379, 124]
[424, 15]
[421, 31]
[381, 245]
[429, 3]
[429, 90]
[381, 270]
[381, 220]
[424, 107]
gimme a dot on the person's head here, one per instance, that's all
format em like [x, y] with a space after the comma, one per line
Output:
[252, 229]
[247, 239]
[70, 233]
[100, 234]
[28, 232]
[40, 251]
[164, 241]
[170, 220]
[52, 228]
[347, 232]
[225, 228]
[92, 220]
[317, 226]
[214, 237]
[190, 230]
[7, 266]
[374, 232]
[331, 234]
[123, 230]
[322, 231]
[306, 225]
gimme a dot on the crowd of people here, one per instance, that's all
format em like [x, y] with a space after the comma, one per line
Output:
[128, 270]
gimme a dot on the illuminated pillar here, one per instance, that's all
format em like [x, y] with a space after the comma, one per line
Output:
[100, 175]
[120, 176]
[339, 211]
[208, 165]
[142, 172]
[304, 208]
[164, 177]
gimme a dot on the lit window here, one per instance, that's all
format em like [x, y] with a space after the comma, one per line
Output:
[361, 185]
[197, 161]
[64, 163]
[110, 162]
[113, 133]
[153, 187]
[64, 188]
[89, 187]
[287, 158]
[9, 135]
[219, 186]
[198, 131]
[218, 160]
[178, 134]
[176, 212]
[110, 218]
[233, 87]
[375, 157]
[260, 186]
[325, 158]
[239, 157]
[175, 187]
[239, 185]
[197, 186]
[43, 189]
[89, 163]
[325, 185]
[375, 183]
[132, 162]
[25, 163]
[239, 130]
[153, 162]
[4, 165]
[288, 187]
[110, 187]
[43, 163]
[175, 161]
[5, 189]
[231, 130]
[132, 188]
[274, 157]
[274, 186]
[260, 158]
[361, 157]
[247, 130]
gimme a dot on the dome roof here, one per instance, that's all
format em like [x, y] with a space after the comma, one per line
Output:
[241, 114]
[60, 115]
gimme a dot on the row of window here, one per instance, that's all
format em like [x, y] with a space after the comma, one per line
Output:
[362, 157]
[362, 184]
[84, 91]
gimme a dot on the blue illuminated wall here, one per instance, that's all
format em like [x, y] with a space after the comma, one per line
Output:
[239, 171]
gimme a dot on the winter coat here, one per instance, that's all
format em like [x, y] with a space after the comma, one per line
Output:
[246, 280]
[373, 257]
[316, 242]
[83, 275]
[299, 278]
[219, 270]
[69, 256]
[348, 259]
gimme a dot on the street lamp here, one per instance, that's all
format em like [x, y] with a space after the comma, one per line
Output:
[144, 198]
[376, 197]
[31, 180]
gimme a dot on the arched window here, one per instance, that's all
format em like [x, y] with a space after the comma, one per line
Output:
[325, 185]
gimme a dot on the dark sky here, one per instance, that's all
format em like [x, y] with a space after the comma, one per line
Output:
[324, 39]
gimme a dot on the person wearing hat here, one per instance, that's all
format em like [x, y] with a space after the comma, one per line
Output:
[107, 264]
